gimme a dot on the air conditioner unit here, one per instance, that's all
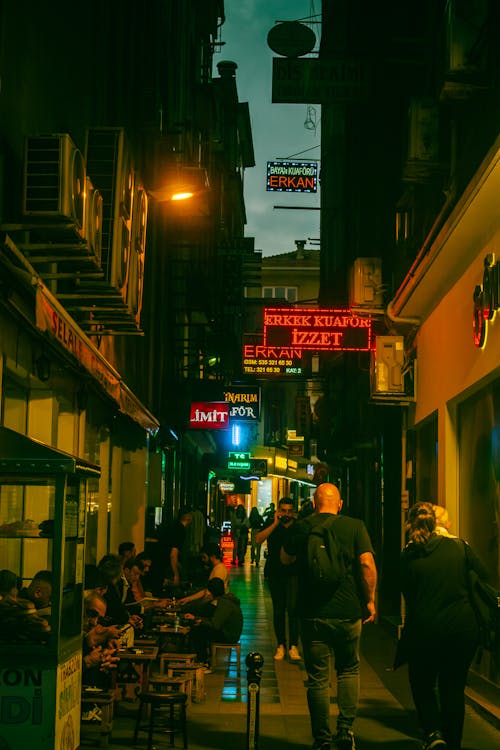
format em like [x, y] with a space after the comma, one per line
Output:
[137, 254]
[387, 378]
[54, 179]
[365, 284]
[93, 220]
[110, 167]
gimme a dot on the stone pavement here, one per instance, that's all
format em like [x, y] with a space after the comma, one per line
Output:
[386, 719]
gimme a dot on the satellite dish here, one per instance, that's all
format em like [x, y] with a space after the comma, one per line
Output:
[291, 39]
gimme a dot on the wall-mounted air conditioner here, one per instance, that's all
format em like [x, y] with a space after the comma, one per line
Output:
[110, 166]
[365, 284]
[387, 362]
[137, 253]
[54, 180]
[93, 220]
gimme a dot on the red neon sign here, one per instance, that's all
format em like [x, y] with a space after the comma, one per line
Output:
[316, 329]
[212, 415]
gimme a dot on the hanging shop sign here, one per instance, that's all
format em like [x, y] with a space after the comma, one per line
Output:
[244, 403]
[209, 415]
[263, 360]
[239, 460]
[316, 329]
[486, 299]
[292, 177]
[315, 81]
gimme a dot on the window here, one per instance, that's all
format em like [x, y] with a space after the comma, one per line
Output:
[280, 292]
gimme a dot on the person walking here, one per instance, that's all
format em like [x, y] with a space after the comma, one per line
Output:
[282, 580]
[239, 528]
[440, 631]
[331, 615]
[256, 522]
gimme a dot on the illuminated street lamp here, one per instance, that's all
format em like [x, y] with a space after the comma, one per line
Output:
[181, 184]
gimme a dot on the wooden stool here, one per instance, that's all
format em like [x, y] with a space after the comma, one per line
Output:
[170, 725]
[169, 656]
[195, 673]
[163, 683]
[226, 647]
[97, 717]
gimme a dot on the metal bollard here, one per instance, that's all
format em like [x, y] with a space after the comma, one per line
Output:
[254, 662]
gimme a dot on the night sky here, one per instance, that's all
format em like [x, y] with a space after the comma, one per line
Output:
[278, 129]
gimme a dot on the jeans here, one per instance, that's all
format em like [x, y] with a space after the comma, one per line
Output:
[255, 548]
[284, 590]
[437, 680]
[320, 638]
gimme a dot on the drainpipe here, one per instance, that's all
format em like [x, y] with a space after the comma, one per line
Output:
[398, 319]
[404, 502]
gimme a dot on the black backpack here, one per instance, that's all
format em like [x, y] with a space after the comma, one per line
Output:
[327, 559]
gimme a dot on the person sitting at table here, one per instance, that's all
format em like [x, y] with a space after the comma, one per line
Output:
[39, 592]
[223, 625]
[116, 611]
[136, 599]
[9, 584]
[99, 647]
[18, 619]
[211, 556]
[94, 580]
[143, 584]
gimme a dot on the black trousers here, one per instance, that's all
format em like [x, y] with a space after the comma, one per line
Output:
[284, 592]
[437, 681]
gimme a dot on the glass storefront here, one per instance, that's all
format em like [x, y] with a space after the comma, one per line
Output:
[478, 432]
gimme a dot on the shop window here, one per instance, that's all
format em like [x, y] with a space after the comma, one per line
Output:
[422, 469]
[479, 475]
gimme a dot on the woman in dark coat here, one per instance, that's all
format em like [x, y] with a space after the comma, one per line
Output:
[441, 633]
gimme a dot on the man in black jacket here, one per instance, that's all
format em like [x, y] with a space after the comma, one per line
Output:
[222, 623]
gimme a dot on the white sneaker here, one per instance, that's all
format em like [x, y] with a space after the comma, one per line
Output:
[293, 654]
[280, 652]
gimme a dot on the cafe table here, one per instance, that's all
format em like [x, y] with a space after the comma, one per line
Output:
[133, 671]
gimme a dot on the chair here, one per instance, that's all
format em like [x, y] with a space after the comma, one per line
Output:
[169, 723]
[226, 647]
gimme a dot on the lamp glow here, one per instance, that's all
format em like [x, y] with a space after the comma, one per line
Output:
[181, 196]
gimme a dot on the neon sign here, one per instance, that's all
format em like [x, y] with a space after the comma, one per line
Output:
[238, 460]
[292, 177]
[486, 299]
[213, 415]
[262, 360]
[316, 329]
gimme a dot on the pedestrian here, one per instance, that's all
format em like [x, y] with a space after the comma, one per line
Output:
[331, 616]
[282, 580]
[440, 631]
[167, 554]
[443, 523]
[256, 522]
[239, 529]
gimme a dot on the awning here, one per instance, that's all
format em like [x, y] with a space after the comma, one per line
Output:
[22, 455]
[54, 320]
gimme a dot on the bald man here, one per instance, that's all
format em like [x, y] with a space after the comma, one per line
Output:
[331, 616]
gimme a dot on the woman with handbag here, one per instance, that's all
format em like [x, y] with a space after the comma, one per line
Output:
[441, 633]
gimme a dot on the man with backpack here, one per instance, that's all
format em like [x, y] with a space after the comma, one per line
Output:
[337, 582]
